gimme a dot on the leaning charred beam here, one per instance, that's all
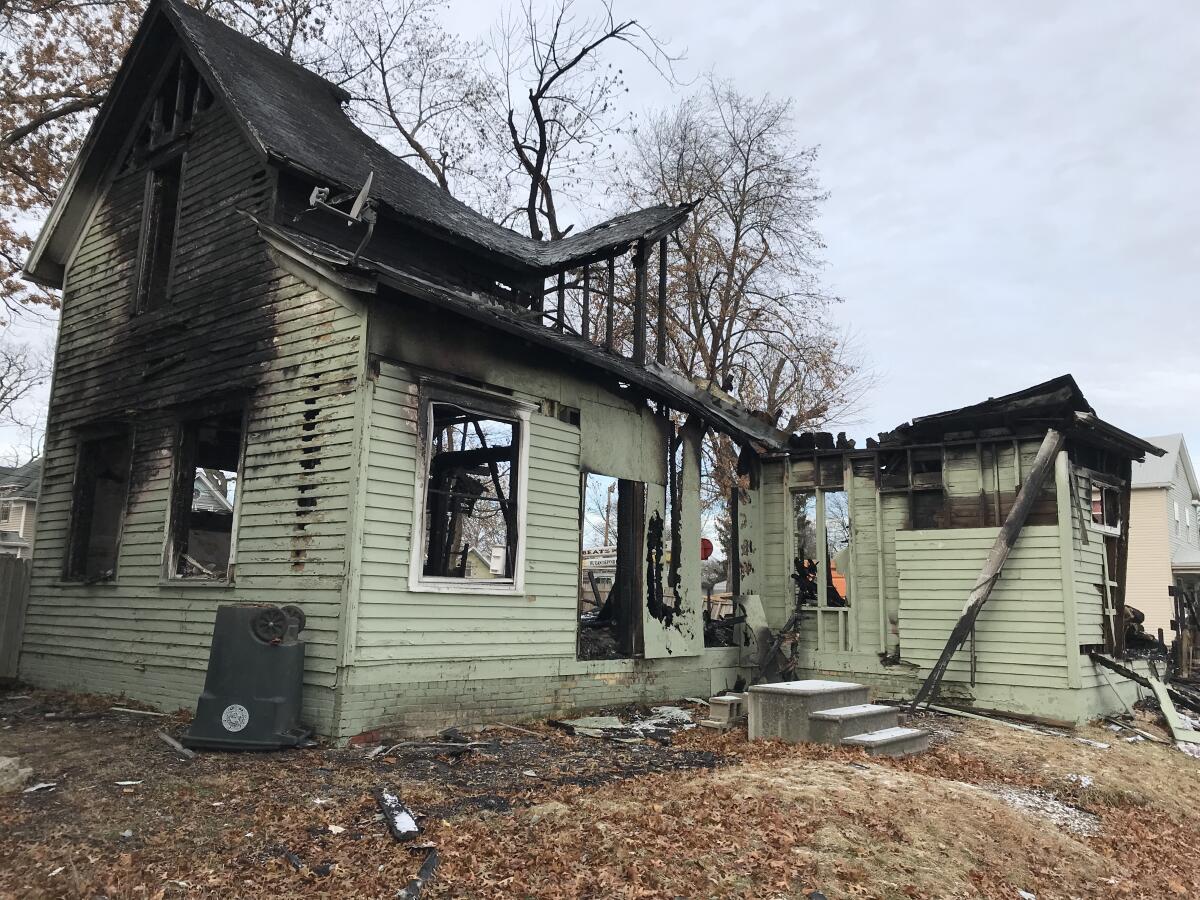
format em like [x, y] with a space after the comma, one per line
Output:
[990, 574]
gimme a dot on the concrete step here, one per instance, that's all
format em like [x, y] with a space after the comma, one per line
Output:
[725, 711]
[832, 726]
[781, 710]
[895, 741]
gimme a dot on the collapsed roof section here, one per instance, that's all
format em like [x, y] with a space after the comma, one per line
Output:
[296, 119]
[653, 380]
[1057, 403]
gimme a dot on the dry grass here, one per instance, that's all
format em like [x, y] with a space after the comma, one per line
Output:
[712, 816]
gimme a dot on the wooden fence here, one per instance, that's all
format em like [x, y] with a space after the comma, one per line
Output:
[14, 593]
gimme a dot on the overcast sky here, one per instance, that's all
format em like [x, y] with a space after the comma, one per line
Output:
[1014, 188]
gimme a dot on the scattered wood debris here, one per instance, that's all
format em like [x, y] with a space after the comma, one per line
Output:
[175, 745]
[400, 820]
[428, 867]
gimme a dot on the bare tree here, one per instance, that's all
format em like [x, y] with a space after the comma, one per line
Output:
[416, 82]
[23, 369]
[747, 310]
[559, 100]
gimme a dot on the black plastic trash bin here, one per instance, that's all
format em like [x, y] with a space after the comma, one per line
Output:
[255, 679]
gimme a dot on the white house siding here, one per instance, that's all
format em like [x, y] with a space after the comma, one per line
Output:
[1148, 576]
[235, 320]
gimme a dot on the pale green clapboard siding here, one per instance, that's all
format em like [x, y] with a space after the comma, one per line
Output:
[774, 555]
[242, 321]
[395, 624]
[1088, 546]
[1019, 634]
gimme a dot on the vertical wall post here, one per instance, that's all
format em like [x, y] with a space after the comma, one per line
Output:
[585, 324]
[639, 305]
[662, 301]
[560, 313]
[608, 304]
[1066, 551]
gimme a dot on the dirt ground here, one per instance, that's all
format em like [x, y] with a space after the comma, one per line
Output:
[989, 812]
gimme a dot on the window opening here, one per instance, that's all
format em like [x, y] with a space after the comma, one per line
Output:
[837, 548]
[159, 220]
[206, 486]
[470, 495]
[1106, 508]
[804, 533]
[98, 507]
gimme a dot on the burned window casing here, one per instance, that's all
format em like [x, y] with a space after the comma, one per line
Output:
[471, 514]
[98, 507]
[204, 498]
[1106, 507]
[160, 219]
[821, 516]
[837, 548]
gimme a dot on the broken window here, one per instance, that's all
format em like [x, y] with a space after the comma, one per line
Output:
[205, 496]
[98, 507]
[613, 513]
[160, 217]
[804, 538]
[837, 548]
[471, 514]
[1106, 508]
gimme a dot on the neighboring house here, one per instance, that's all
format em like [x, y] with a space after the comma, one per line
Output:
[1164, 533]
[18, 507]
[402, 398]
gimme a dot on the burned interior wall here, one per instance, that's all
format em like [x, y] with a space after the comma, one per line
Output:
[237, 331]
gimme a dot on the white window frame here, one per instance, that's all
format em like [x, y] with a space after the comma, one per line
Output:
[486, 403]
[1101, 486]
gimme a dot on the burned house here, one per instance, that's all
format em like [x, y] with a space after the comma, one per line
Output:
[291, 370]
[884, 544]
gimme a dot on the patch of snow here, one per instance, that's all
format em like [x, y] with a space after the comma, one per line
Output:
[126, 783]
[336, 829]
[1084, 781]
[1099, 745]
[1044, 806]
[41, 786]
[1025, 895]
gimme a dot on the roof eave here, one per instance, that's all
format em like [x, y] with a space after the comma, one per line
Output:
[653, 379]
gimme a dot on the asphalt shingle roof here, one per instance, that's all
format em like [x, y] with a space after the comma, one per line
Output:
[298, 117]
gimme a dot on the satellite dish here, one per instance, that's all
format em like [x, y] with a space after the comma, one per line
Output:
[363, 195]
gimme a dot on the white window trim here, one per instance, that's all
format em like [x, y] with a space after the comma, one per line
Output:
[1101, 527]
[436, 391]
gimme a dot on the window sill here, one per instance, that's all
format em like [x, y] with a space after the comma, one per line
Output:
[454, 586]
[190, 583]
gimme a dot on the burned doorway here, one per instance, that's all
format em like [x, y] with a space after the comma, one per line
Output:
[612, 516]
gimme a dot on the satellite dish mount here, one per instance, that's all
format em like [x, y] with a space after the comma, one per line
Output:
[362, 210]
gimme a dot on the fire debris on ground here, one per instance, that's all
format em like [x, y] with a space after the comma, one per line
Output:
[530, 810]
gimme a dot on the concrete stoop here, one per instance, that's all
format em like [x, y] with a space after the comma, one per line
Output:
[830, 712]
